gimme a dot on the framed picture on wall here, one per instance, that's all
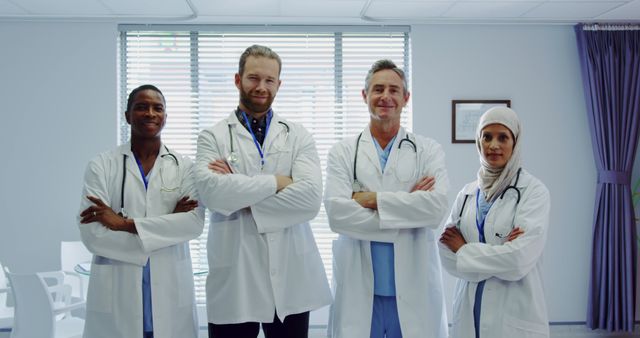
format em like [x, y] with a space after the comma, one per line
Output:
[465, 115]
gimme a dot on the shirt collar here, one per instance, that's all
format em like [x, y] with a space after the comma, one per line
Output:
[262, 121]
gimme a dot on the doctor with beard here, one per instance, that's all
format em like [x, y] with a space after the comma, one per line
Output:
[259, 174]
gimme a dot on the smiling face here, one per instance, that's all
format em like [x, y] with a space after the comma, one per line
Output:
[496, 144]
[146, 114]
[258, 84]
[386, 96]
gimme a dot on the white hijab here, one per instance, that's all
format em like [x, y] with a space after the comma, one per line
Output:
[494, 181]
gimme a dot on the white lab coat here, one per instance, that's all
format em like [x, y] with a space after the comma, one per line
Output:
[513, 303]
[408, 220]
[114, 300]
[262, 254]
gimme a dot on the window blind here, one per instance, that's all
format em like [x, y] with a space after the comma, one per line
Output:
[322, 77]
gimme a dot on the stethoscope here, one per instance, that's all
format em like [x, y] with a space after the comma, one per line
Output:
[357, 186]
[162, 186]
[233, 155]
[513, 186]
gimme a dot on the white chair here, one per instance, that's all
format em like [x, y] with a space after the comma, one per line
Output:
[6, 303]
[60, 292]
[35, 312]
[71, 254]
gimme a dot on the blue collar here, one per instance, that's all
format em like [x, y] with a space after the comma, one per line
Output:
[383, 154]
[145, 179]
[481, 215]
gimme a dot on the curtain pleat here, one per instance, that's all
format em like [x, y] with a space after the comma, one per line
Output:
[610, 63]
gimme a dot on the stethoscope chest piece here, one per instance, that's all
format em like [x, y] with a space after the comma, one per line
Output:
[357, 186]
[233, 157]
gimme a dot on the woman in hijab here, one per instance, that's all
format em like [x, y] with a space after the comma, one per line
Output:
[493, 244]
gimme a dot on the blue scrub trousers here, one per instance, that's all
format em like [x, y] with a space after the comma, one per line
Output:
[384, 320]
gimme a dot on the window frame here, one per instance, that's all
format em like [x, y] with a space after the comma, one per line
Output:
[195, 32]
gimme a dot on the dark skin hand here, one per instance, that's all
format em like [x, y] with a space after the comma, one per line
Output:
[453, 239]
[185, 205]
[102, 213]
[515, 233]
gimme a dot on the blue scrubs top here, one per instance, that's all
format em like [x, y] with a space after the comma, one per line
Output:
[384, 278]
[481, 214]
[147, 318]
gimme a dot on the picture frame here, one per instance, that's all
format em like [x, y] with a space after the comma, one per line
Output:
[465, 115]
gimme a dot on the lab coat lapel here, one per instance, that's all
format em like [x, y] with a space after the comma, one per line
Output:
[243, 145]
[470, 189]
[133, 171]
[368, 149]
[160, 161]
[238, 128]
[275, 128]
[393, 155]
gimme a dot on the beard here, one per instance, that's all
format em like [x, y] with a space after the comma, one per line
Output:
[254, 107]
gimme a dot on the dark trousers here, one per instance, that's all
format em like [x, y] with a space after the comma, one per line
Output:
[294, 326]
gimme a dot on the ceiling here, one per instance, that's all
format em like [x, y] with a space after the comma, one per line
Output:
[324, 11]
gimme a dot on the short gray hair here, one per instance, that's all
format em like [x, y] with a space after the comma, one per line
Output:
[258, 51]
[382, 65]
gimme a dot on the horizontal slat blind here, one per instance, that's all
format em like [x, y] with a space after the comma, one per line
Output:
[322, 78]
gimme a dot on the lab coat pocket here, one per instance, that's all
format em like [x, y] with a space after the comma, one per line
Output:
[170, 198]
[406, 172]
[100, 297]
[224, 234]
[458, 297]
[498, 233]
[499, 229]
[169, 177]
[281, 160]
[406, 166]
[516, 327]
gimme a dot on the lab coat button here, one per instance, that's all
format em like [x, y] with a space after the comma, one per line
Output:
[273, 272]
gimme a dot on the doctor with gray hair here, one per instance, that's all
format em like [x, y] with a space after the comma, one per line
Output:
[386, 195]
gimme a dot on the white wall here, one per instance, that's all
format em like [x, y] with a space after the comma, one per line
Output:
[58, 103]
[58, 88]
[537, 68]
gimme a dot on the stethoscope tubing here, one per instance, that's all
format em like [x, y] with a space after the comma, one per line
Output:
[355, 156]
[514, 186]
[232, 147]
[124, 173]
